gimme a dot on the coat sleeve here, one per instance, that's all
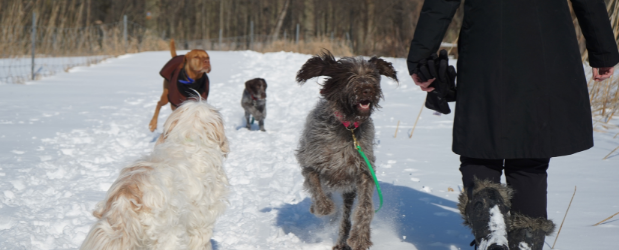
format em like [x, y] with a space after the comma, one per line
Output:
[595, 25]
[434, 20]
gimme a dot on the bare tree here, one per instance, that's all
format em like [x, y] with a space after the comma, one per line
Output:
[280, 19]
[375, 27]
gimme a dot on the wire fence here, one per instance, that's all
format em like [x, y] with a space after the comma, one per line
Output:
[29, 53]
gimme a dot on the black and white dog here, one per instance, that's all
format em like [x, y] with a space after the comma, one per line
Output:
[329, 161]
[254, 101]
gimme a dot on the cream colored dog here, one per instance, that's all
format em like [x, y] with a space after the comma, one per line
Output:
[170, 199]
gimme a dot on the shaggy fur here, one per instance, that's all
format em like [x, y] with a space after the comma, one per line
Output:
[528, 233]
[519, 221]
[326, 153]
[171, 198]
[463, 199]
[254, 101]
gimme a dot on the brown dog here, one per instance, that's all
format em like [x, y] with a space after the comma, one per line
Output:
[183, 76]
[254, 101]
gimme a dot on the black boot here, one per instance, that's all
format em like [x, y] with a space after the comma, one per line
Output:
[486, 212]
[528, 233]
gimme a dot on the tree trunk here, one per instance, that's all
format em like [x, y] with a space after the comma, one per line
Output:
[308, 19]
[369, 31]
[280, 20]
[221, 16]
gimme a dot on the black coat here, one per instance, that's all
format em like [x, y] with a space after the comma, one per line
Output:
[521, 85]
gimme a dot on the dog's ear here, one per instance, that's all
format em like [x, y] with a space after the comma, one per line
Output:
[208, 63]
[180, 66]
[223, 143]
[248, 84]
[263, 84]
[219, 135]
[252, 85]
[316, 66]
[166, 130]
[384, 68]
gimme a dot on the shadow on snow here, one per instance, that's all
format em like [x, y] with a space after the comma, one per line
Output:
[428, 222]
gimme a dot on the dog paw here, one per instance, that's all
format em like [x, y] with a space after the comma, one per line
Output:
[322, 208]
[358, 241]
[263, 130]
[341, 247]
[152, 126]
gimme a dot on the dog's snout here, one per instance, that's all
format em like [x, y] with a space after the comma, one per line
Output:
[367, 91]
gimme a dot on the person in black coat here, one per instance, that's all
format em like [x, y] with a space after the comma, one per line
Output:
[522, 98]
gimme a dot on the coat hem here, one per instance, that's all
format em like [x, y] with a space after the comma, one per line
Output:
[522, 155]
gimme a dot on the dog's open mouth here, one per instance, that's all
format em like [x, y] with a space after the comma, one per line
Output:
[364, 105]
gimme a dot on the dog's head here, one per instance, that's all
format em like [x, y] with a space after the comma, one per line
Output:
[195, 123]
[198, 60]
[257, 87]
[353, 84]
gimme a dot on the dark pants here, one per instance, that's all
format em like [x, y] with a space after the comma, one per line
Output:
[527, 177]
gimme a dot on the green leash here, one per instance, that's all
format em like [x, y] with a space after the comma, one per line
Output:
[252, 120]
[358, 147]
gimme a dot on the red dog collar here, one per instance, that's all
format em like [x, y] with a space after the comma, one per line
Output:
[346, 124]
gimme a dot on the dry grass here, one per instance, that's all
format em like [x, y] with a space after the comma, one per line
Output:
[85, 41]
[604, 95]
[60, 31]
[568, 209]
[265, 44]
[604, 98]
[337, 47]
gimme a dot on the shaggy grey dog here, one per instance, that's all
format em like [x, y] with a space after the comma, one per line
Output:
[254, 101]
[329, 161]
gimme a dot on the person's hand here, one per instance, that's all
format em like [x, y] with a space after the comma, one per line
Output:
[601, 74]
[423, 85]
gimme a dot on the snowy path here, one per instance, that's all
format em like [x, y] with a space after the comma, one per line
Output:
[65, 138]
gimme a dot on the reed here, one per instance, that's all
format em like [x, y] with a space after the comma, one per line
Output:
[416, 120]
[396, 130]
[604, 95]
[606, 219]
[568, 209]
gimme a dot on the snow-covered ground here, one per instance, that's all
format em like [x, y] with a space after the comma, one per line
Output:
[64, 139]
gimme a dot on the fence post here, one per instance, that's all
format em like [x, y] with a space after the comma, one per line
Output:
[296, 39]
[125, 32]
[221, 22]
[220, 38]
[348, 40]
[34, 34]
[251, 35]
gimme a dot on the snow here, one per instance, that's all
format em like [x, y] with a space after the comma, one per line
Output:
[498, 230]
[65, 138]
[524, 246]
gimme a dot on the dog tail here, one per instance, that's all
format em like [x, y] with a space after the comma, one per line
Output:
[172, 47]
[118, 227]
